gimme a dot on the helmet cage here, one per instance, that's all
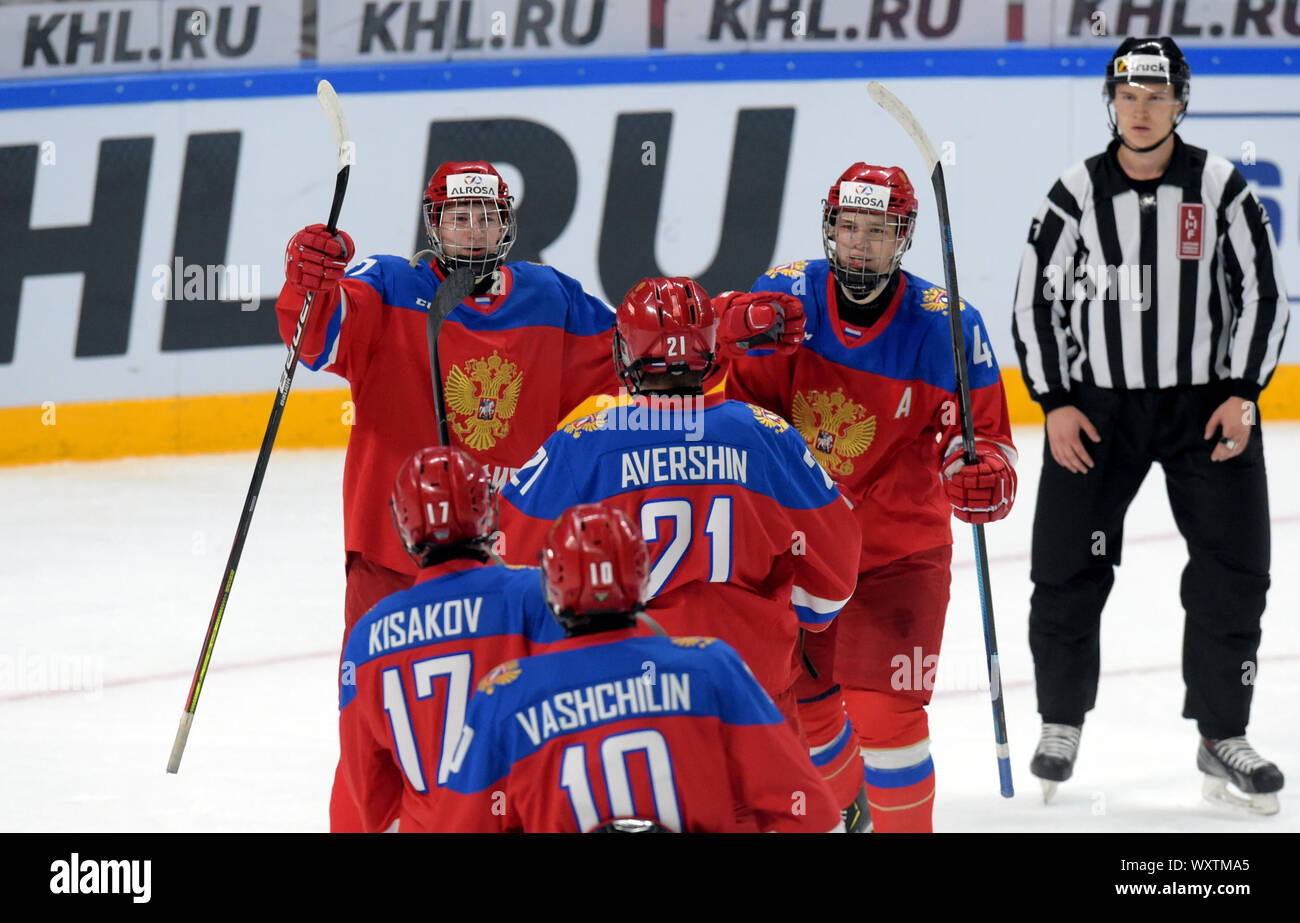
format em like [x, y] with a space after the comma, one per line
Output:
[493, 256]
[861, 282]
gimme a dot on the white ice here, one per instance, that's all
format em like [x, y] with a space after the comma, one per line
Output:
[108, 572]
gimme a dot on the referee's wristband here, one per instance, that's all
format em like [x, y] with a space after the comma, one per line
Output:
[1054, 399]
[1239, 387]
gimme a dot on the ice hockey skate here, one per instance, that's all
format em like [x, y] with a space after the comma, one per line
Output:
[1234, 760]
[1053, 761]
[857, 816]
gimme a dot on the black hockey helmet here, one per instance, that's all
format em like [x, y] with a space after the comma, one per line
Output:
[1147, 60]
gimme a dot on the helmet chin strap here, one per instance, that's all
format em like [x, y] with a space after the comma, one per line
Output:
[1115, 134]
[870, 296]
[1140, 150]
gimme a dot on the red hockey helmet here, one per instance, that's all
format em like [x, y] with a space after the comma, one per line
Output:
[886, 196]
[664, 325]
[442, 498]
[594, 562]
[469, 216]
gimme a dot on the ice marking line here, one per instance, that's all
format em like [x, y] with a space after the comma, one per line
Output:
[159, 677]
[333, 654]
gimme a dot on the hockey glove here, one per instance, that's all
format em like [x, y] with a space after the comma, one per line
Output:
[315, 261]
[752, 319]
[983, 492]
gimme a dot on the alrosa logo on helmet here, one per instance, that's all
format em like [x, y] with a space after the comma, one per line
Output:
[864, 195]
[472, 185]
[1143, 65]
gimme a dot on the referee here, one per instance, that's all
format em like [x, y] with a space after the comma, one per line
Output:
[1150, 310]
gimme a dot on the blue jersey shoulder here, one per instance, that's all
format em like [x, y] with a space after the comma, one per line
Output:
[542, 296]
[806, 280]
[397, 282]
[633, 446]
[521, 705]
[917, 344]
[925, 315]
[475, 603]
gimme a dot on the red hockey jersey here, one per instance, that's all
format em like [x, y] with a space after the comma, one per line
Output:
[749, 538]
[673, 730]
[877, 406]
[409, 666]
[514, 364]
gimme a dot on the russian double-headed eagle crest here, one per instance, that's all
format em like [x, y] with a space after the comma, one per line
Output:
[769, 419]
[835, 428]
[588, 424]
[693, 641]
[485, 394]
[936, 299]
[788, 269]
[501, 675]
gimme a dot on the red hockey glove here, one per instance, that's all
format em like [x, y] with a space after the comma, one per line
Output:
[752, 319]
[314, 261]
[983, 492]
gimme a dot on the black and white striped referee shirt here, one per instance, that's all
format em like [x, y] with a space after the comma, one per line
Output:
[1131, 284]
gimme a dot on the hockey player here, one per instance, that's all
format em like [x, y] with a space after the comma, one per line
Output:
[872, 392]
[613, 726]
[410, 663]
[750, 538]
[1169, 376]
[517, 355]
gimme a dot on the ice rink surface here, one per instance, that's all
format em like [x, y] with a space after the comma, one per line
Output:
[108, 571]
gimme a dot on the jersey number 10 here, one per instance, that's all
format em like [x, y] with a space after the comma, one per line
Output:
[614, 751]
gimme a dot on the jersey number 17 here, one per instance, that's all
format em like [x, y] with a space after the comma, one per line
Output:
[458, 668]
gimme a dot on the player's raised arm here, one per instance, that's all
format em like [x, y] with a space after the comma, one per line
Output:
[584, 369]
[316, 261]
[759, 333]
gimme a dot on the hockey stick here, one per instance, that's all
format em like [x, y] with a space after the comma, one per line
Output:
[901, 114]
[334, 111]
[453, 290]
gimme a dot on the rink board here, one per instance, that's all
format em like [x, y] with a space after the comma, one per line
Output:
[719, 178]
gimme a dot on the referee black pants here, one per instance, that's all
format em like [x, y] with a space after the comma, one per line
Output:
[1221, 509]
